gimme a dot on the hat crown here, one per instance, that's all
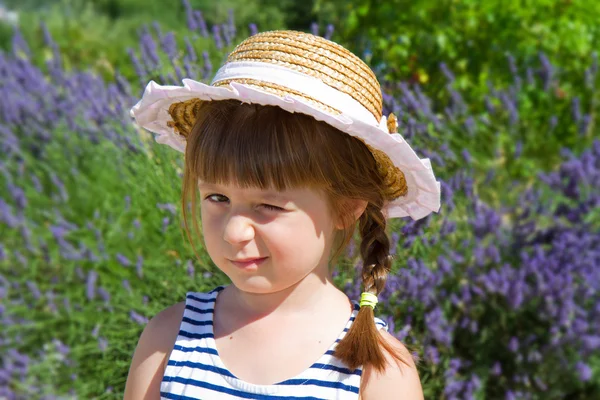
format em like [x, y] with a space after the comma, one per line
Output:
[315, 57]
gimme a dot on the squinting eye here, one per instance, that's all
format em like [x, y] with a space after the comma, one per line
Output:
[274, 208]
[219, 198]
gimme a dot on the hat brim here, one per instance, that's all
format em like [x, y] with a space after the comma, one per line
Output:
[423, 195]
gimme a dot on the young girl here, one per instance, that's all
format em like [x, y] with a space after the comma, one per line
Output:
[286, 151]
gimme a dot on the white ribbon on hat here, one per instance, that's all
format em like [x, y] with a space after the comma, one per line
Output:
[308, 85]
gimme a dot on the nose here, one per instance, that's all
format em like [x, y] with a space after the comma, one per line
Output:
[238, 229]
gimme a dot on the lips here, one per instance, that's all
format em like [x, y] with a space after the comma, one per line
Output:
[248, 259]
[248, 263]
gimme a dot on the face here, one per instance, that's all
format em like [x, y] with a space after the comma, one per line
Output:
[292, 230]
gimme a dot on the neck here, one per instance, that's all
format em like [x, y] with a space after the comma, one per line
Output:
[308, 295]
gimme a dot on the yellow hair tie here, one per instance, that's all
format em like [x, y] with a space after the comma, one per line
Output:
[368, 299]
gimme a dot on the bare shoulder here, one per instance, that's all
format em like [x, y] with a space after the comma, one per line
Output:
[399, 381]
[151, 354]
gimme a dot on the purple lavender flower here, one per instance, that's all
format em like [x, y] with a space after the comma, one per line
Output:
[33, 288]
[20, 48]
[491, 109]
[433, 355]
[496, 369]
[513, 344]
[124, 261]
[512, 64]
[60, 185]
[227, 35]
[137, 66]
[547, 71]
[165, 223]
[190, 53]
[518, 148]
[102, 344]
[61, 347]
[189, 12]
[172, 208]
[216, 33]
[190, 268]
[582, 127]
[138, 266]
[584, 371]
[127, 286]
[329, 31]
[553, 122]
[104, 295]
[201, 23]
[314, 29]
[447, 73]
[91, 284]
[149, 50]
[576, 109]
[135, 317]
[67, 304]
[253, 29]
[530, 76]
[127, 202]
[231, 24]
[207, 68]
[592, 72]
[169, 45]
[511, 107]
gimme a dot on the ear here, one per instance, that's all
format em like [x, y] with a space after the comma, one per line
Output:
[353, 209]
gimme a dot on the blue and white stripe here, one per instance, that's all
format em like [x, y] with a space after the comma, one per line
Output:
[195, 371]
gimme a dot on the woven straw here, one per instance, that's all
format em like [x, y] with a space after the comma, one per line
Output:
[316, 57]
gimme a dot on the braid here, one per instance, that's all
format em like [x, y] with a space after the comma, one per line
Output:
[375, 250]
[362, 344]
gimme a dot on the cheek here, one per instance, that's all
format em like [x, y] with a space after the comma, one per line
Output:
[210, 230]
[297, 241]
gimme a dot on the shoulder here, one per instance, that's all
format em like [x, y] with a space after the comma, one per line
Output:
[152, 352]
[399, 381]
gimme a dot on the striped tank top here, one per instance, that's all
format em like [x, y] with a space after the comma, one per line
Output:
[195, 371]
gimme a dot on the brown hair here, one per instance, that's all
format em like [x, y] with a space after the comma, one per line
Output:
[267, 147]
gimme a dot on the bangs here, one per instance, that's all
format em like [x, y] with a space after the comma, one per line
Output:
[250, 145]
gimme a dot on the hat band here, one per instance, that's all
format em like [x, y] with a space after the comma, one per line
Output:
[297, 81]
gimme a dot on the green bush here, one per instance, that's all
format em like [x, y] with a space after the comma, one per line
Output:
[408, 39]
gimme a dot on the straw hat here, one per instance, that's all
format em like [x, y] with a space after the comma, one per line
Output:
[308, 74]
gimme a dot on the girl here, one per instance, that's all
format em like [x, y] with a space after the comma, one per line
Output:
[286, 151]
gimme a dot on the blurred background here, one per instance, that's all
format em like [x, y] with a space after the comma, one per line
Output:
[498, 295]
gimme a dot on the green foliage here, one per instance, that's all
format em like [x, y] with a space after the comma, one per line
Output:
[408, 39]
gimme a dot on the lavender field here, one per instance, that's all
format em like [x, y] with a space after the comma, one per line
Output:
[498, 294]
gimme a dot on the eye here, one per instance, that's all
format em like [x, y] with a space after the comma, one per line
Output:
[270, 207]
[267, 206]
[211, 196]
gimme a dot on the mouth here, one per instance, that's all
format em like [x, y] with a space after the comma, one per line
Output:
[248, 262]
